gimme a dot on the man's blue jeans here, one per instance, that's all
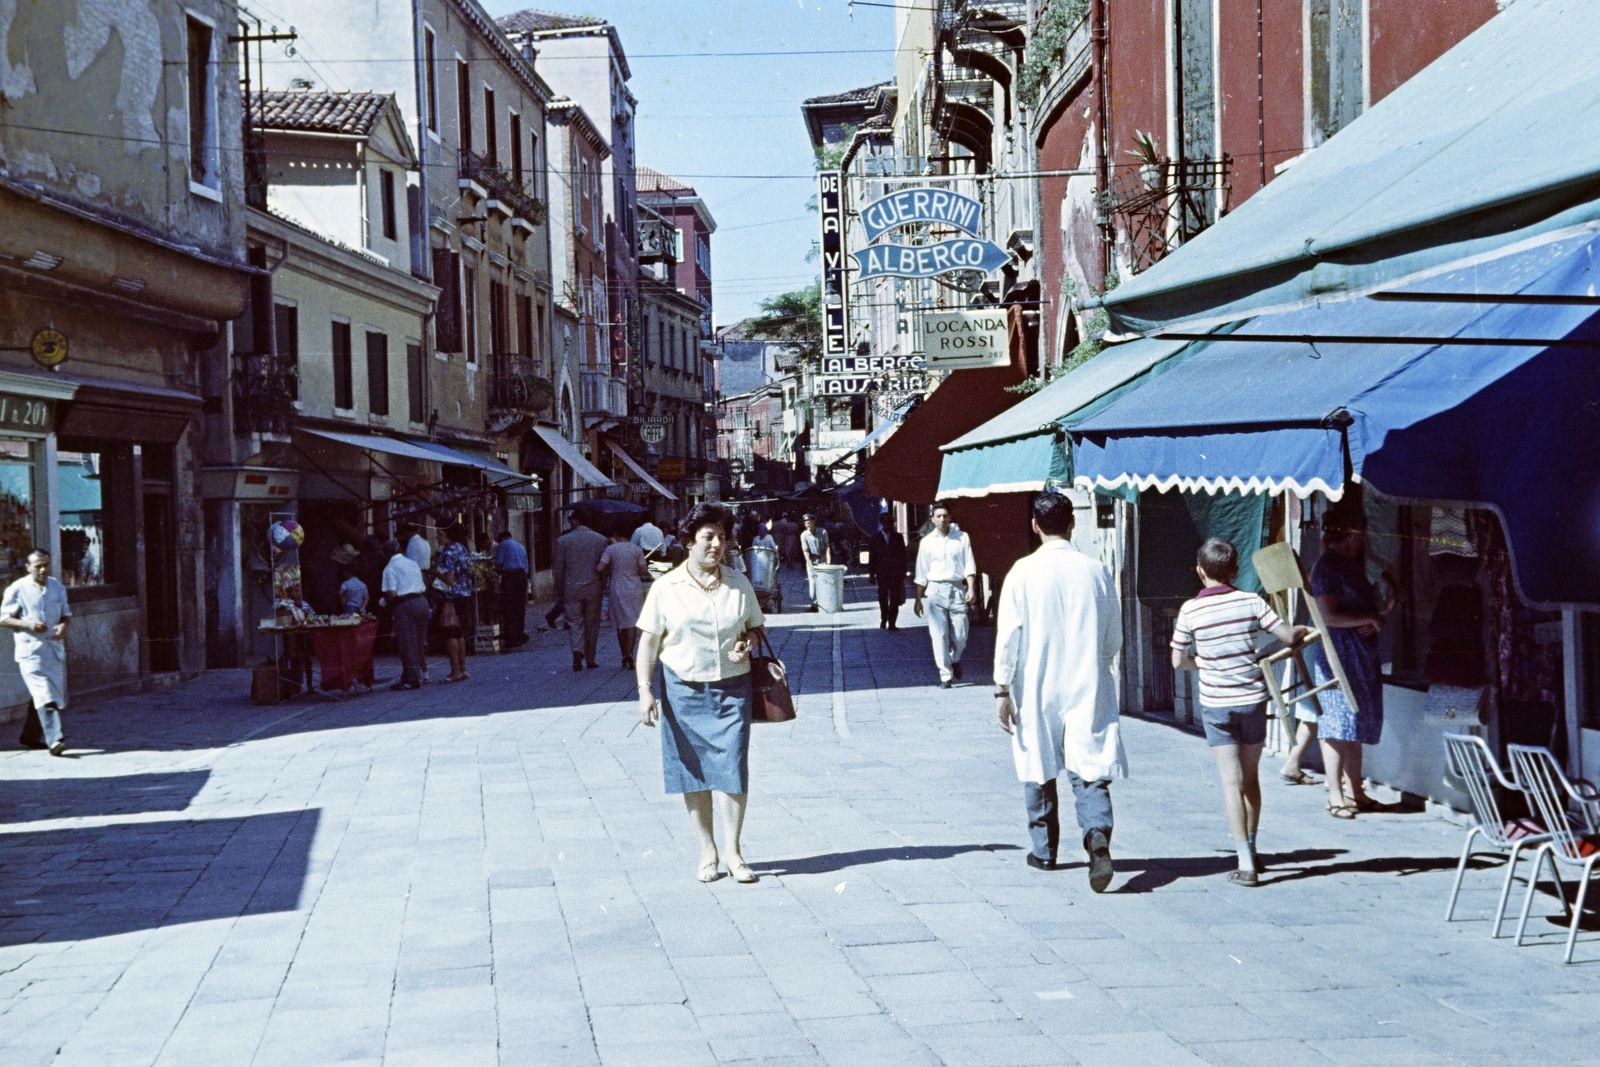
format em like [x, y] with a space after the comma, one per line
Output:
[1092, 799]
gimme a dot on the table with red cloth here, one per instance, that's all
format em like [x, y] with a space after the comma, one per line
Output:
[344, 654]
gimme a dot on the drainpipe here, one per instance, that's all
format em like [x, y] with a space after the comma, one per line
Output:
[1261, 99]
[1102, 159]
[422, 152]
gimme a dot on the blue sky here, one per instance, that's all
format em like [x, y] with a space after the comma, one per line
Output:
[725, 115]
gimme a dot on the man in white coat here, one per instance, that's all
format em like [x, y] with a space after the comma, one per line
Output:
[35, 609]
[1059, 630]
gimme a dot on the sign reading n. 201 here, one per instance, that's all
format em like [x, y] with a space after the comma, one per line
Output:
[26, 413]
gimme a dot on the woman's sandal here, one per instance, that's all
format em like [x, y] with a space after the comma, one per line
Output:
[742, 873]
[1298, 778]
[709, 872]
[1341, 811]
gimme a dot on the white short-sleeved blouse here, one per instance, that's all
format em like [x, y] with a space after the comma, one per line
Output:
[698, 628]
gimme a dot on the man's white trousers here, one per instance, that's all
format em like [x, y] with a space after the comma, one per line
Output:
[947, 624]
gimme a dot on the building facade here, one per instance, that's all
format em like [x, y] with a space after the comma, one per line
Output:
[121, 258]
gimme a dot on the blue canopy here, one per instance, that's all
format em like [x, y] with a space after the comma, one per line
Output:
[1474, 419]
[1023, 448]
[1491, 143]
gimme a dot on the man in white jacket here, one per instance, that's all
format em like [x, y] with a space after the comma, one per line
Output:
[1059, 630]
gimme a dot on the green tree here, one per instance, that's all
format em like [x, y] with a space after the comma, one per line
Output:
[793, 318]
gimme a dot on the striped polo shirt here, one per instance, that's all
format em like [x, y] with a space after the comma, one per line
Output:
[1219, 628]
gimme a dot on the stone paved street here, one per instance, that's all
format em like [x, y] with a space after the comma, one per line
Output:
[489, 873]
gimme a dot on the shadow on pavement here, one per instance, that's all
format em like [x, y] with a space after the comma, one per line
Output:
[838, 861]
[69, 885]
[34, 799]
[1155, 873]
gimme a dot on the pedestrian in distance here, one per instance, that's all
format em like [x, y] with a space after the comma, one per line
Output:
[787, 534]
[511, 564]
[35, 610]
[1354, 613]
[453, 582]
[701, 623]
[417, 549]
[405, 594]
[623, 568]
[1058, 631]
[816, 549]
[353, 593]
[886, 560]
[1218, 634]
[578, 584]
[947, 574]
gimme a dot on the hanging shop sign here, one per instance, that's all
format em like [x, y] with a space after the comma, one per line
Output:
[653, 429]
[835, 308]
[855, 366]
[930, 261]
[861, 384]
[967, 340]
[921, 205]
[670, 469]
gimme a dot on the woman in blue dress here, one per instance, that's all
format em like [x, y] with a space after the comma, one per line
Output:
[701, 622]
[1353, 610]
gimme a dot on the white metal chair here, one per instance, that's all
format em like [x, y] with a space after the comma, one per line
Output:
[1470, 761]
[1572, 843]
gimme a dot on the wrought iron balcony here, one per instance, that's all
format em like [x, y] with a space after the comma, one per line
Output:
[514, 386]
[1166, 203]
[264, 391]
[658, 240]
[502, 187]
[603, 394]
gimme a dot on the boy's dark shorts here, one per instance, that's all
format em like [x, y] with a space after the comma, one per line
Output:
[1243, 724]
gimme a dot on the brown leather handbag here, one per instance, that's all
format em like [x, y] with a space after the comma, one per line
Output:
[773, 701]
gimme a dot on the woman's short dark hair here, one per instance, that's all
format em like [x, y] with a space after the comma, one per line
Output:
[707, 515]
[1219, 559]
[1342, 520]
[1053, 513]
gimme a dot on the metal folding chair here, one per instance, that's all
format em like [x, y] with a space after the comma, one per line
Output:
[1573, 842]
[1280, 573]
[1470, 761]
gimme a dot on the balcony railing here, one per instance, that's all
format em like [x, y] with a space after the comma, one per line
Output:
[603, 394]
[514, 386]
[264, 390]
[503, 188]
[1165, 204]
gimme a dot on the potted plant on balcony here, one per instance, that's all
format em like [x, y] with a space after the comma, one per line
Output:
[1152, 168]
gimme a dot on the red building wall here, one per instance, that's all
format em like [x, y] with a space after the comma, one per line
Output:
[1407, 35]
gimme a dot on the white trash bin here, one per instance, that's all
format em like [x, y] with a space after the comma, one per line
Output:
[829, 579]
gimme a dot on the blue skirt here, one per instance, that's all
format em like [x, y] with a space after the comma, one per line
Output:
[705, 734]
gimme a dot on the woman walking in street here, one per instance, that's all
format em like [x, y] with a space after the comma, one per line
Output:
[453, 580]
[701, 620]
[1354, 613]
[622, 566]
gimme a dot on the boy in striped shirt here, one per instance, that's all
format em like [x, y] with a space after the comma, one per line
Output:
[1216, 634]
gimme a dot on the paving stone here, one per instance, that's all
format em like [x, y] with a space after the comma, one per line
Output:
[490, 873]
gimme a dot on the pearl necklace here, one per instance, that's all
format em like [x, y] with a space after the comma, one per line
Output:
[716, 582]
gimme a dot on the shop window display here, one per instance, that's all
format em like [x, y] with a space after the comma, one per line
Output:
[16, 507]
[83, 519]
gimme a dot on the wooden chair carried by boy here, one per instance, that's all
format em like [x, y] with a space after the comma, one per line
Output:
[1280, 573]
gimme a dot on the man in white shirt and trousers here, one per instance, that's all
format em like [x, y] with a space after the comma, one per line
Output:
[405, 593]
[947, 575]
[1058, 632]
[35, 610]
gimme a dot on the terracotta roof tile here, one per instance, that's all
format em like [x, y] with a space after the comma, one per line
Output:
[650, 180]
[317, 111]
[532, 20]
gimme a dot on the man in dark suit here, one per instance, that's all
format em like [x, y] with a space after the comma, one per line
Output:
[886, 560]
[579, 586]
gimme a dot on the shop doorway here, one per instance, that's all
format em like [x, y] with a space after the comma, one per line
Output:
[160, 579]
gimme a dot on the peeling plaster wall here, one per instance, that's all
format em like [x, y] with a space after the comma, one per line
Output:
[97, 113]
